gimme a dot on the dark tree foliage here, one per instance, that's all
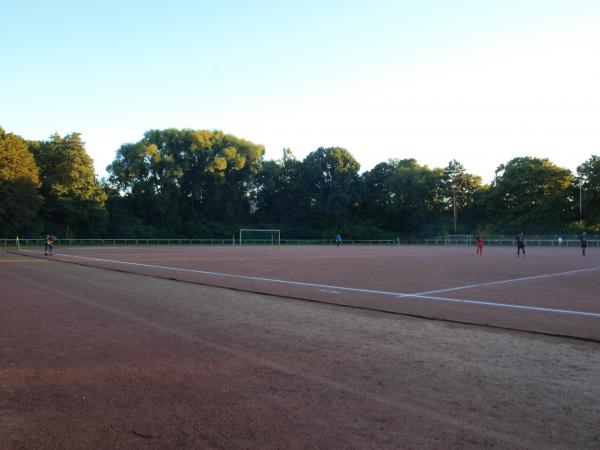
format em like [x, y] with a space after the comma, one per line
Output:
[74, 201]
[190, 183]
[280, 192]
[19, 187]
[331, 187]
[184, 182]
[532, 194]
[589, 182]
[404, 196]
[459, 190]
[200, 183]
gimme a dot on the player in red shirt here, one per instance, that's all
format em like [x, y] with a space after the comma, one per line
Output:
[480, 244]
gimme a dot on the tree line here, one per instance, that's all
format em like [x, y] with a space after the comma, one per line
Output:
[200, 183]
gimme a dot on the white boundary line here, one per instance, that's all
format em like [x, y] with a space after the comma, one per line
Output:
[513, 280]
[420, 296]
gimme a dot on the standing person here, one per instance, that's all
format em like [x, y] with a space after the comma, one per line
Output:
[49, 244]
[583, 240]
[480, 243]
[520, 243]
[338, 239]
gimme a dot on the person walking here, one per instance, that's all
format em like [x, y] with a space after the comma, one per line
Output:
[338, 239]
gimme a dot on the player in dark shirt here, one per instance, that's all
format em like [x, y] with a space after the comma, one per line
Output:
[520, 244]
[583, 240]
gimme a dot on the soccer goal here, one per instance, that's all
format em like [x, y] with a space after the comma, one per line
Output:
[459, 239]
[249, 236]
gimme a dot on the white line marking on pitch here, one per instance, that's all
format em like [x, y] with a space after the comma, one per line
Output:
[503, 305]
[513, 280]
[420, 296]
[331, 292]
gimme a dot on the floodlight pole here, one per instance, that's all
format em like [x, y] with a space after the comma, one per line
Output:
[580, 204]
[454, 202]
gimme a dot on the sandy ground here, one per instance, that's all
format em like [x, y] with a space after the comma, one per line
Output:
[91, 358]
[373, 277]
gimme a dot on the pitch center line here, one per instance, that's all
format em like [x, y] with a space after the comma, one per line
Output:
[420, 296]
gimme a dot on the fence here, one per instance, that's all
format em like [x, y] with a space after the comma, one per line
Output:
[233, 241]
[80, 242]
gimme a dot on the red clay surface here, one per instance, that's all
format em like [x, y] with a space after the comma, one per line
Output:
[552, 290]
[92, 358]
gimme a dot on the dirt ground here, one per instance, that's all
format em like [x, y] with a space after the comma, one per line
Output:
[464, 288]
[91, 358]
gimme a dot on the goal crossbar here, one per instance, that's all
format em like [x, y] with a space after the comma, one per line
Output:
[457, 239]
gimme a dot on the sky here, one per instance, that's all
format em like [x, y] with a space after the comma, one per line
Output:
[481, 82]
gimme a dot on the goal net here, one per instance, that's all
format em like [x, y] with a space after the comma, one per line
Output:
[249, 236]
[458, 239]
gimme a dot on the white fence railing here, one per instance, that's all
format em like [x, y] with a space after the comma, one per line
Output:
[233, 241]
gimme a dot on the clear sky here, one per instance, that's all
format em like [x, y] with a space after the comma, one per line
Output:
[477, 81]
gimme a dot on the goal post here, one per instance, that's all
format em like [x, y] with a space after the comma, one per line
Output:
[254, 236]
[458, 239]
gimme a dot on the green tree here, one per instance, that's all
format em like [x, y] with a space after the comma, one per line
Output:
[148, 177]
[416, 196]
[280, 192]
[181, 181]
[460, 187]
[482, 212]
[378, 199]
[457, 180]
[19, 183]
[589, 177]
[74, 201]
[531, 193]
[404, 196]
[220, 171]
[332, 186]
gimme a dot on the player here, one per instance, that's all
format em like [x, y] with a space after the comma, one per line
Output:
[583, 240]
[338, 239]
[49, 244]
[520, 244]
[480, 243]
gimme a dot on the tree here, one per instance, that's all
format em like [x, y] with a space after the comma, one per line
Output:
[148, 176]
[415, 190]
[332, 186]
[74, 201]
[221, 175]
[589, 177]
[179, 181]
[531, 193]
[459, 187]
[19, 183]
[404, 196]
[456, 179]
[280, 196]
[378, 198]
